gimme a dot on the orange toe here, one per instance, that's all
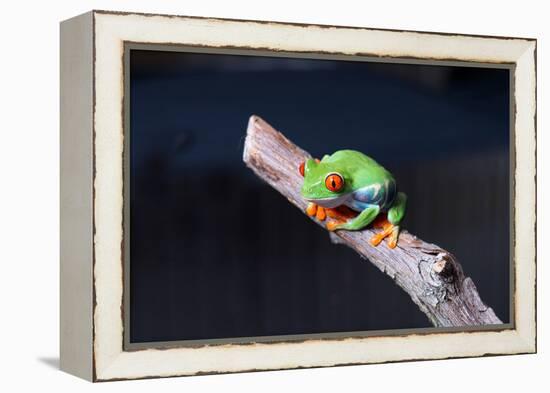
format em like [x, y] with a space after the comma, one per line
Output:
[321, 215]
[392, 241]
[331, 225]
[311, 209]
[376, 240]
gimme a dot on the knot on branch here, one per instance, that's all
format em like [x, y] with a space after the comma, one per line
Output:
[442, 277]
[445, 268]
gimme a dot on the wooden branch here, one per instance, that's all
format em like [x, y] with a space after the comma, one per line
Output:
[431, 276]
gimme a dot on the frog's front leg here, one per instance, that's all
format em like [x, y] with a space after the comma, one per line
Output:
[339, 215]
[367, 215]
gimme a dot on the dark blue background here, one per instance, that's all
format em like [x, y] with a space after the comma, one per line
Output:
[216, 253]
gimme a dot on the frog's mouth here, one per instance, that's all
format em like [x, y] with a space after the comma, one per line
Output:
[330, 202]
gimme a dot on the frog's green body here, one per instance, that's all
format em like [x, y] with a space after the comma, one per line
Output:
[366, 188]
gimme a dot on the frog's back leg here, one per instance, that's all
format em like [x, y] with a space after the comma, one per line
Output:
[395, 216]
[397, 210]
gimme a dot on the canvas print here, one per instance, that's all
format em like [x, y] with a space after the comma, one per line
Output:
[278, 197]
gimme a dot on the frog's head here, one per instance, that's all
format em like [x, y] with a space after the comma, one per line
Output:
[324, 183]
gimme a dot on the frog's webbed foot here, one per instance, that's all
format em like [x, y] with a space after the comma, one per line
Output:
[389, 231]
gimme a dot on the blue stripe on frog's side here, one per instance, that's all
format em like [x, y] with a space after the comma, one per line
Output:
[374, 194]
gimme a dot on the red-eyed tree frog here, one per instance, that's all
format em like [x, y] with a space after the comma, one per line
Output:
[350, 180]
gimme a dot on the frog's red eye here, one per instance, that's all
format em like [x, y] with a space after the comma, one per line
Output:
[334, 182]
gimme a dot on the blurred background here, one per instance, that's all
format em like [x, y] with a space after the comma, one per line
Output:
[217, 253]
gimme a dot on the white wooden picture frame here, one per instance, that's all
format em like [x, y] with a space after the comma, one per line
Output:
[92, 194]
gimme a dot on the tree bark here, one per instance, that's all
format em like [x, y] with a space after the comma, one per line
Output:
[431, 276]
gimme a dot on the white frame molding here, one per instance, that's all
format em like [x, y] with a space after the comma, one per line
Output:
[92, 135]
